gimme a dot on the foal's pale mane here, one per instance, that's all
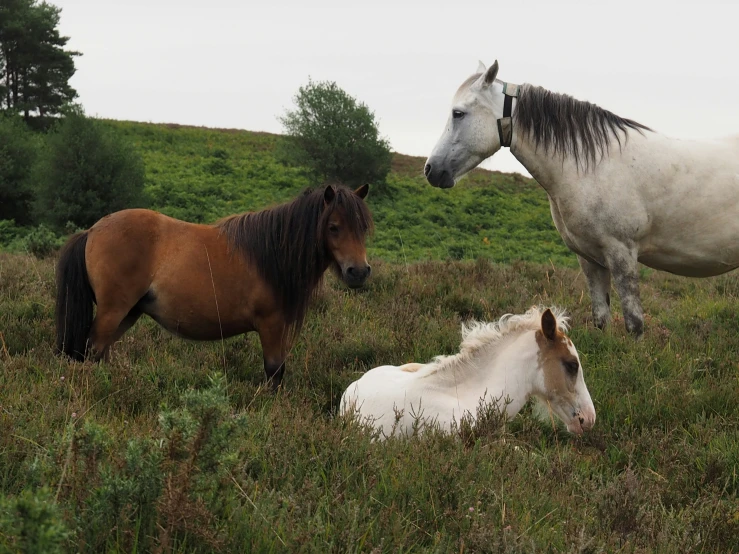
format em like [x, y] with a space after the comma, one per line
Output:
[565, 126]
[479, 336]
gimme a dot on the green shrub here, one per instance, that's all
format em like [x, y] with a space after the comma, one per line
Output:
[86, 172]
[334, 136]
[9, 232]
[18, 152]
[31, 522]
[42, 241]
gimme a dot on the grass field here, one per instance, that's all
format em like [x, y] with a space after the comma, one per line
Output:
[201, 175]
[175, 446]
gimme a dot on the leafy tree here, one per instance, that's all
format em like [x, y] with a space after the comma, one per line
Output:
[17, 155]
[334, 136]
[85, 172]
[34, 66]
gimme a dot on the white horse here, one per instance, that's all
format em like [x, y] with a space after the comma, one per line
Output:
[505, 362]
[619, 192]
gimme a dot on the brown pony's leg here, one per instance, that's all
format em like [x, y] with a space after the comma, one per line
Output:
[128, 322]
[273, 336]
[110, 323]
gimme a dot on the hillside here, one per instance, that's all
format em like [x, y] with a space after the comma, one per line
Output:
[200, 174]
[177, 446]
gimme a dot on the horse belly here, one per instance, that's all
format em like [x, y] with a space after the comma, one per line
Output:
[693, 244]
[198, 291]
[191, 318]
[680, 263]
[394, 401]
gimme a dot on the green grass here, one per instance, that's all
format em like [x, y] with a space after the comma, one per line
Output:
[176, 446]
[152, 452]
[202, 175]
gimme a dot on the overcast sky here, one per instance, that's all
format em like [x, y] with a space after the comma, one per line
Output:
[238, 63]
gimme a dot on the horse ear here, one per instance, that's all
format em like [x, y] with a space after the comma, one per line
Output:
[490, 74]
[481, 67]
[549, 325]
[329, 194]
[362, 191]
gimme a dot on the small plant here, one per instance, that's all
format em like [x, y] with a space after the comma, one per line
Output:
[31, 522]
[219, 166]
[199, 440]
[42, 242]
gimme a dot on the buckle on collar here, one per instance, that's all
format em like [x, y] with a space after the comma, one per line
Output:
[505, 124]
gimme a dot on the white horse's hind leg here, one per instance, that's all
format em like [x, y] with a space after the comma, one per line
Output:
[599, 285]
[624, 269]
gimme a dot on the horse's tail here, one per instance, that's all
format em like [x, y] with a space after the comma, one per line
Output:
[74, 299]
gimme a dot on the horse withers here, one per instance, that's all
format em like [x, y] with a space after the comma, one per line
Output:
[506, 362]
[619, 192]
[255, 271]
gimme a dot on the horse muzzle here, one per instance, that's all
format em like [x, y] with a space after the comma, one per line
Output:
[356, 275]
[582, 421]
[437, 177]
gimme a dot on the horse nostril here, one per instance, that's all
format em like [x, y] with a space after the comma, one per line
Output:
[369, 269]
[427, 170]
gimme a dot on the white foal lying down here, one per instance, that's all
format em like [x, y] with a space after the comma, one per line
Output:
[511, 360]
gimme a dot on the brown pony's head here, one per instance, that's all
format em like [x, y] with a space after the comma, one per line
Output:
[346, 222]
[293, 244]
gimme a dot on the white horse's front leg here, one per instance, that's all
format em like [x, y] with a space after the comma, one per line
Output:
[599, 285]
[622, 262]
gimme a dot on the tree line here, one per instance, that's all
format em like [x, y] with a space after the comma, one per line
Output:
[35, 67]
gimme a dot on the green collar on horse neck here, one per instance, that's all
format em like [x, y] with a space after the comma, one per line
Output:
[505, 123]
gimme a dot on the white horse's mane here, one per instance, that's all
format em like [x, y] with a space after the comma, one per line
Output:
[483, 335]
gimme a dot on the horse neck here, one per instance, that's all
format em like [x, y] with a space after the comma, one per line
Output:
[504, 370]
[553, 171]
[547, 169]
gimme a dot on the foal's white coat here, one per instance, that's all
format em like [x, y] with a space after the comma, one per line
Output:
[511, 360]
[670, 204]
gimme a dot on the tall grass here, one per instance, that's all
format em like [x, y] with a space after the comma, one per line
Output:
[175, 447]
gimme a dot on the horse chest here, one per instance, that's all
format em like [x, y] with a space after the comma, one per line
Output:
[579, 231]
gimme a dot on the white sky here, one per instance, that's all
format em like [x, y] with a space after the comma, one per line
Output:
[238, 63]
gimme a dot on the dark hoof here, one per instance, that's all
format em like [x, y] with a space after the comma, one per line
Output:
[635, 327]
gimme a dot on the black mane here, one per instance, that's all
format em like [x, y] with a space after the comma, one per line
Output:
[286, 243]
[565, 126]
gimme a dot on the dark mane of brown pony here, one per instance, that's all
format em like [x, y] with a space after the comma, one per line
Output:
[566, 126]
[286, 243]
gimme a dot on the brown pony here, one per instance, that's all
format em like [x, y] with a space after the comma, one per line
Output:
[255, 271]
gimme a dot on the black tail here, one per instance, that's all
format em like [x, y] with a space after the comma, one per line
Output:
[74, 299]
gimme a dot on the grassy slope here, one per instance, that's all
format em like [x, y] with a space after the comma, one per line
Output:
[201, 175]
[241, 470]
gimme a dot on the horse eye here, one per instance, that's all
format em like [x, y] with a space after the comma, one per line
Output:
[456, 114]
[333, 228]
[571, 367]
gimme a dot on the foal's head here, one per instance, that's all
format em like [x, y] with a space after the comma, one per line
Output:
[345, 224]
[560, 384]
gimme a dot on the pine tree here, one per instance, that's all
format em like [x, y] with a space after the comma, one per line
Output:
[35, 69]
